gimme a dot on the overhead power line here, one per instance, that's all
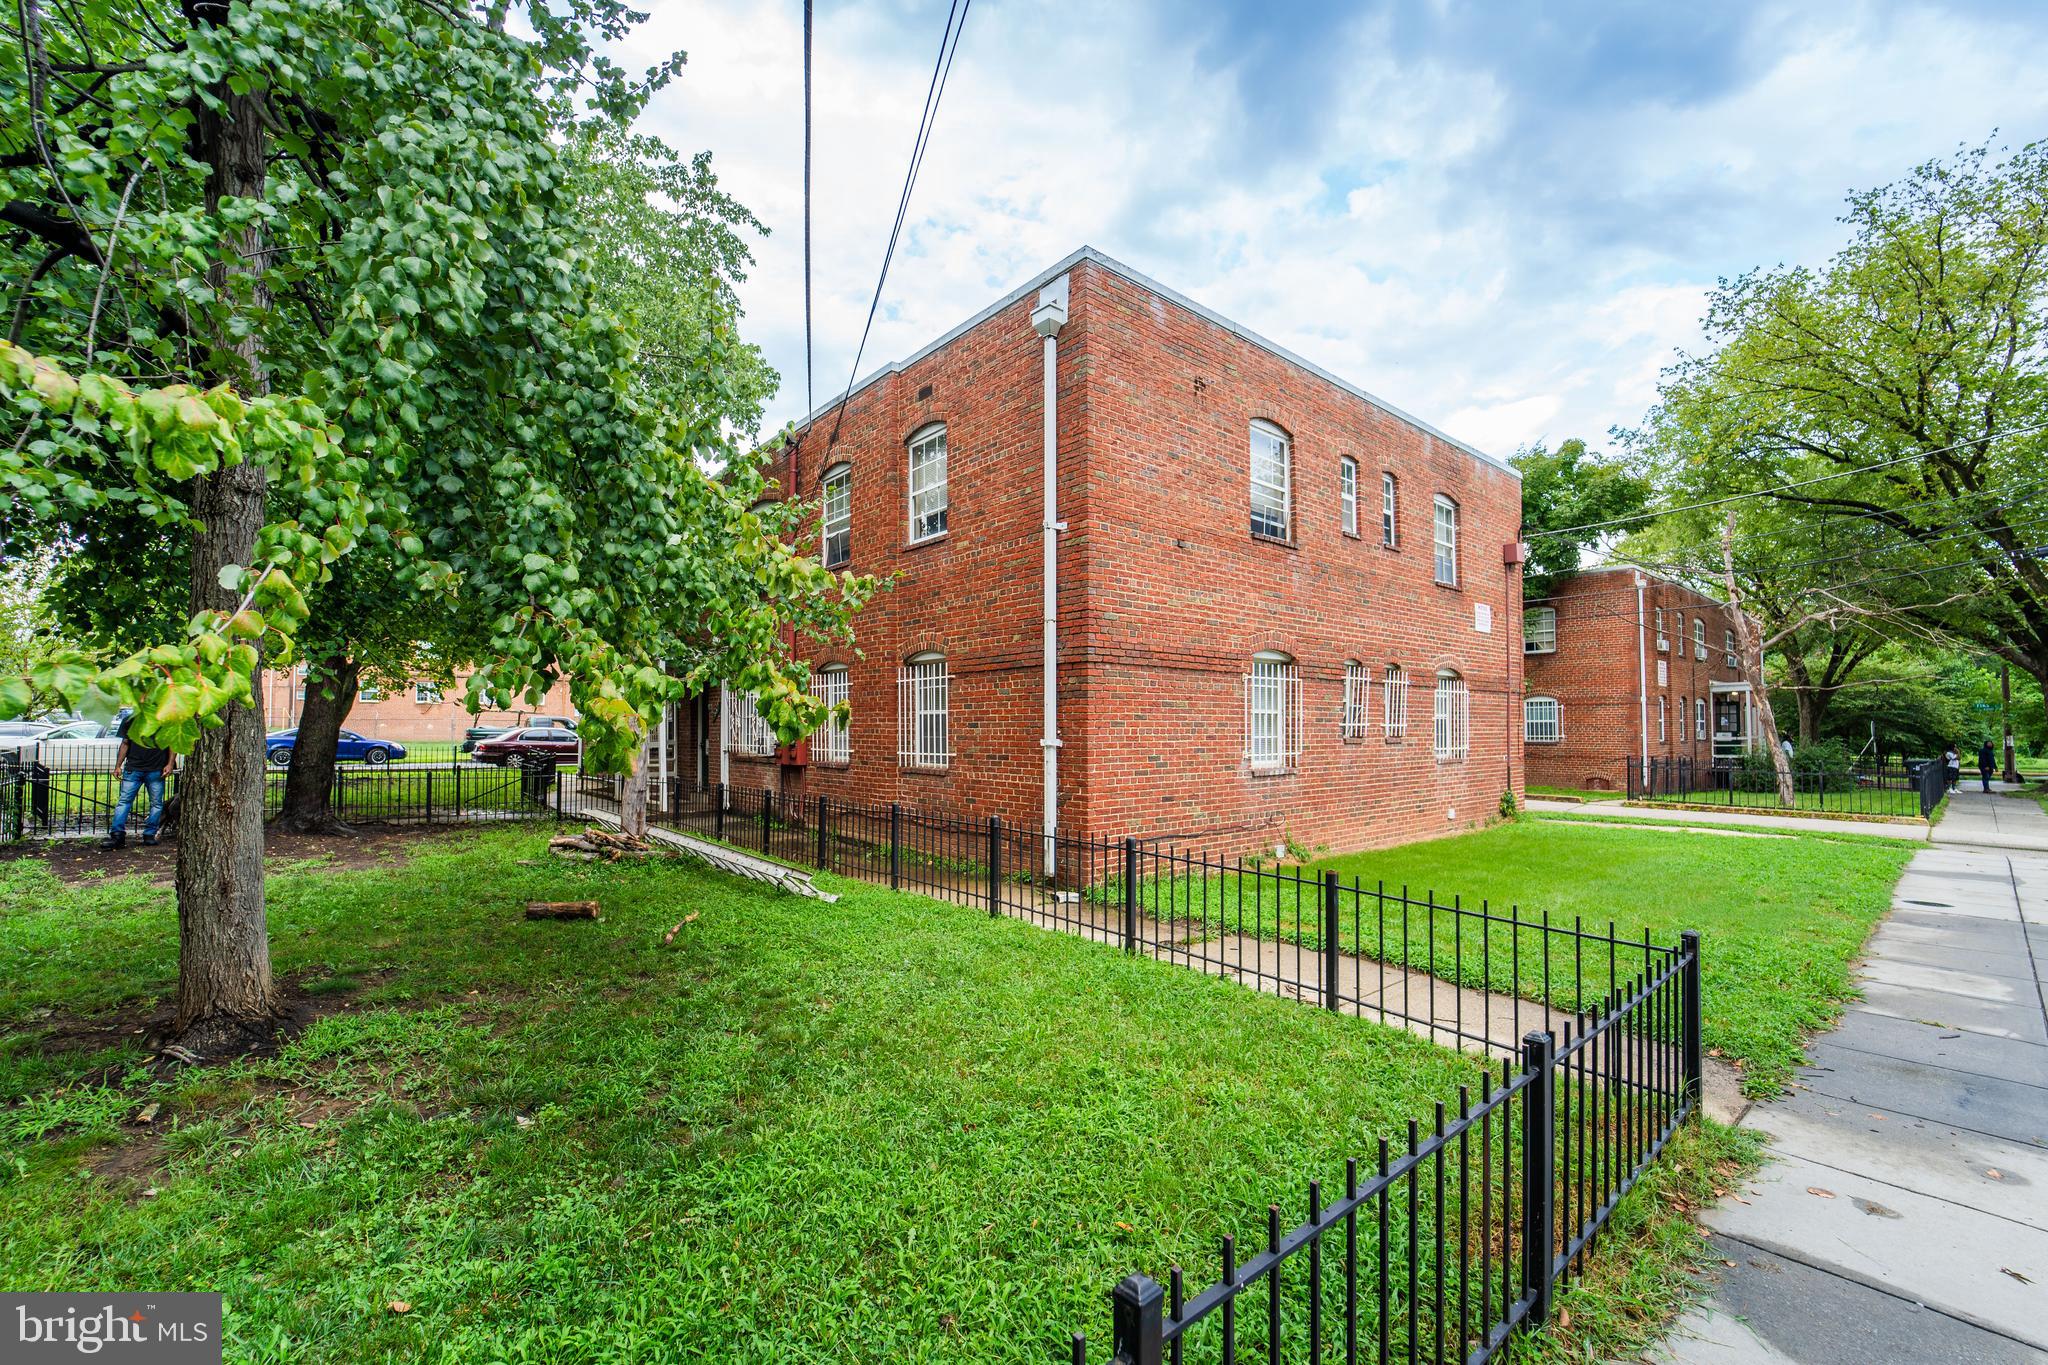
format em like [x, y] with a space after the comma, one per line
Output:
[949, 44]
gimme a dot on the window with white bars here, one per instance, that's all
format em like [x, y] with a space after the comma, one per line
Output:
[1394, 702]
[833, 743]
[1539, 630]
[1272, 476]
[1663, 641]
[1347, 494]
[1357, 696]
[1699, 717]
[746, 729]
[836, 533]
[1540, 720]
[928, 483]
[1389, 498]
[1446, 541]
[922, 689]
[1453, 718]
[1699, 637]
[1728, 646]
[1272, 714]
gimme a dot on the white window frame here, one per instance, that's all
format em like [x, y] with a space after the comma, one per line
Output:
[1542, 720]
[1678, 633]
[1663, 734]
[1272, 713]
[926, 481]
[923, 721]
[1699, 637]
[1394, 702]
[1347, 493]
[1663, 641]
[835, 515]
[1684, 705]
[1446, 541]
[1699, 713]
[423, 694]
[1281, 447]
[1728, 646]
[833, 742]
[1542, 639]
[1357, 700]
[1452, 714]
[1390, 510]
[747, 731]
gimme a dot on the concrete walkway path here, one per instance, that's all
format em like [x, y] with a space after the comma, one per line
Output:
[1993, 821]
[1736, 819]
[1904, 1214]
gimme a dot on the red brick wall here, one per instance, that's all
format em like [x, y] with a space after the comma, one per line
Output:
[396, 715]
[1164, 594]
[1594, 675]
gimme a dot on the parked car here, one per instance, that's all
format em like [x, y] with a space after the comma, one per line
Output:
[554, 741]
[477, 734]
[18, 736]
[350, 748]
[78, 746]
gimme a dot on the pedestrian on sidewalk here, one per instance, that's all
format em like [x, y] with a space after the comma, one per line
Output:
[1952, 768]
[1985, 763]
[140, 766]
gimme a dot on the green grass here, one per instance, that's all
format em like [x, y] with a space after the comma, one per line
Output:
[887, 1129]
[1870, 802]
[1576, 793]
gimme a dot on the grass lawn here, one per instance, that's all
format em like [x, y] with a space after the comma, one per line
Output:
[1861, 801]
[887, 1129]
[1576, 793]
[1779, 918]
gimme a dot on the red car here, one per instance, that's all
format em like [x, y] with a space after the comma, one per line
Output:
[556, 742]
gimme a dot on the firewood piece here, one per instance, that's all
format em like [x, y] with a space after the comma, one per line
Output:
[561, 909]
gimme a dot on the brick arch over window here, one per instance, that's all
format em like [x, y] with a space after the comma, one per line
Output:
[1270, 474]
[925, 462]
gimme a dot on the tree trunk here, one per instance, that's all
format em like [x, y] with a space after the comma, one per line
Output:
[309, 782]
[633, 795]
[226, 999]
[1810, 704]
[1750, 651]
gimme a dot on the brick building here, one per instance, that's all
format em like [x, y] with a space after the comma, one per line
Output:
[1626, 664]
[1285, 610]
[420, 710]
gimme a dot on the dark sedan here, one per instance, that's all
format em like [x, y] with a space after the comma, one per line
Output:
[540, 740]
[350, 748]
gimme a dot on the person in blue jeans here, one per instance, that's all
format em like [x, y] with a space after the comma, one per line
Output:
[140, 766]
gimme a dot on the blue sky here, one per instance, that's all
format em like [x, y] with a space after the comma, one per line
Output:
[1502, 217]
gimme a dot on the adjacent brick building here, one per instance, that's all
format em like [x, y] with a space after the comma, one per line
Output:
[1625, 664]
[1286, 610]
[420, 710]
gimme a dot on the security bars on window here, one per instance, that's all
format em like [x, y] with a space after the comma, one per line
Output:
[1540, 721]
[1357, 695]
[1453, 719]
[1447, 542]
[928, 484]
[1539, 630]
[1271, 476]
[922, 689]
[837, 531]
[833, 743]
[1272, 716]
[1347, 494]
[1394, 702]
[746, 731]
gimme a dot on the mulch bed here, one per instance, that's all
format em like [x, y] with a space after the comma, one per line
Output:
[76, 859]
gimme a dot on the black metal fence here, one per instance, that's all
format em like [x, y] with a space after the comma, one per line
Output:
[1437, 1251]
[1890, 790]
[37, 802]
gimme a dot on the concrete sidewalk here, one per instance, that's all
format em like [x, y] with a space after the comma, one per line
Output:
[1993, 821]
[1736, 819]
[1904, 1214]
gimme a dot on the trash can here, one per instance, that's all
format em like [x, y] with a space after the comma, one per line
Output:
[537, 778]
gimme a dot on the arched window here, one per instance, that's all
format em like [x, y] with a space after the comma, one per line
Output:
[1699, 637]
[928, 483]
[1347, 494]
[833, 743]
[836, 531]
[1390, 494]
[1357, 695]
[1540, 720]
[1663, 642]
[1453, 718]
[1272, 713]
[1539, 630]
[1394, 702]
[922, 697]
[1272, 480]
[1446, 541]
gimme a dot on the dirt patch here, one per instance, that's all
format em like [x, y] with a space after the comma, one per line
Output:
[74, 860]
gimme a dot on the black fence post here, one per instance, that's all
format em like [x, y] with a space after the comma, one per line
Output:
[1137, 1322]
[1131, 901]
[718, 812]
[428, 777]
[895, 846]
[767, 815]
[1330, 954]
[1689, 990]
[995, 866]
[824, 850]
[1539, 1172]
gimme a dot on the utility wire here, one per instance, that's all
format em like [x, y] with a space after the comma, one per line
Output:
[949, 44]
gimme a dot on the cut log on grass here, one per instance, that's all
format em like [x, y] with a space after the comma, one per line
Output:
[561, 909]
[598, 843]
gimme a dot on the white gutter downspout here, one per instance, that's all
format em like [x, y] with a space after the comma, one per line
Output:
[1642, 681]
[1047, 319]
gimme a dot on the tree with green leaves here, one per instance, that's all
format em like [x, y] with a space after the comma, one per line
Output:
[1894, 402]
[1570, 499]
[336, 256]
